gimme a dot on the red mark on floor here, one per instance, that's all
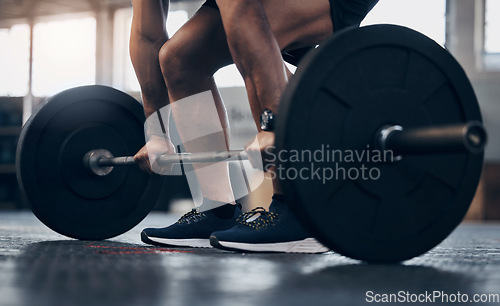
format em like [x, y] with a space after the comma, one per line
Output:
[132, 250]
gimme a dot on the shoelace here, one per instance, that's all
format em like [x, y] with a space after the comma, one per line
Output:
[191, 216]
[266, 218]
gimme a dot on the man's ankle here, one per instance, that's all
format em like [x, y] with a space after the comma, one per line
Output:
[222, 210]
[225, 211]
[280, 198]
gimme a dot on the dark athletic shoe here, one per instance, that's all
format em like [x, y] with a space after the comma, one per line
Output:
[194, 228]
[275, 230]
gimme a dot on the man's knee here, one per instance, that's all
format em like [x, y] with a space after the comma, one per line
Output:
[172, 63]
[181, 63]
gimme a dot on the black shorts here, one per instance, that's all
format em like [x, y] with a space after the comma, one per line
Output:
[345, 13]
[349, 13]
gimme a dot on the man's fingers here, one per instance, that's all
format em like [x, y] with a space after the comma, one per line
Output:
[142, 160]
[147, 157]
[254, 158]
[252, 149]
[259, 149]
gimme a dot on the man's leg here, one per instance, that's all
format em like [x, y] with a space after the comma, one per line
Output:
[256, 42]
[148, 34]
[148, 37]
[188, 61]
[256, 32]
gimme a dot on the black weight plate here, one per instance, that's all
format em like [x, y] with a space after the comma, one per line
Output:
[63, 194]
[352, 85]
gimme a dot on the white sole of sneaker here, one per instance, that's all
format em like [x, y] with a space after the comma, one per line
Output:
[194, 243]
[308, 245]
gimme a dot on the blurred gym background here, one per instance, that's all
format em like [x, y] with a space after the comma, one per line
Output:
[50, 45]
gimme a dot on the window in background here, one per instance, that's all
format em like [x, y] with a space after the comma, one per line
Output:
[14, 60]
[63, 55]
[425, 16]
[491, 55]
[492, 27]
[229, 77]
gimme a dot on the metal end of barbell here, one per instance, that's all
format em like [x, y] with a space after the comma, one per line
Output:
[469, 137]
[91, 162]
[383, 134]
[475, 137]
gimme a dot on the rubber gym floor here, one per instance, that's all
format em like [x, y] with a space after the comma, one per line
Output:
[40, 267]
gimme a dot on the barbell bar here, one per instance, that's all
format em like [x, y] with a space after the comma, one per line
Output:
[177, 158]
[101, 162]
[449, 138]
[470, 137]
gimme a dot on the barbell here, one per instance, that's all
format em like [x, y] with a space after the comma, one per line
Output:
[380, 88]
[470, 136]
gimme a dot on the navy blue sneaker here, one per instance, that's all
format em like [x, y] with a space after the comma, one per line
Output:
[194, 228]
[275, 230]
